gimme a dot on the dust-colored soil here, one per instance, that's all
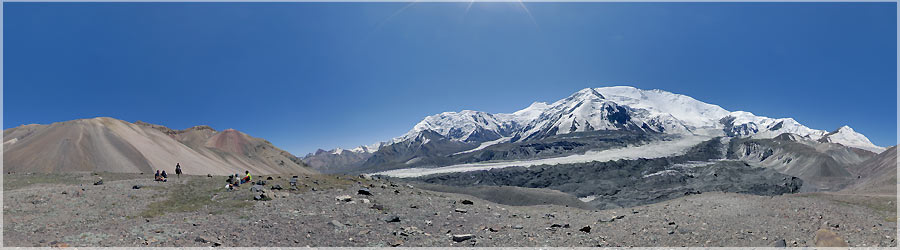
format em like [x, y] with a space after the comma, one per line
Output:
[197, 211]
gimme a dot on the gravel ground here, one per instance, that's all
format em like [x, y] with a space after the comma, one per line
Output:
[197, 211]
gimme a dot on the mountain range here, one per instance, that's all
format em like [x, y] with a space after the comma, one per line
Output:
[458, 137]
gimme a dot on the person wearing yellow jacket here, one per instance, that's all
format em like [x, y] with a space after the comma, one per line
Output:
[247, 178]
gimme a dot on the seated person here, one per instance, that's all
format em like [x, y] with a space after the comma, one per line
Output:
[247, 178]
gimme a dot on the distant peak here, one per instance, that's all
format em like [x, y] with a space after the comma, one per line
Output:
[845, 128]
[588, 92]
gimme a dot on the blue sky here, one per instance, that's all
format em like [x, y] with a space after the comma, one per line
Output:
[324, 75]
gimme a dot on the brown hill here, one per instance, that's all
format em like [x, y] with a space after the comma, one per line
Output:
[112, 145]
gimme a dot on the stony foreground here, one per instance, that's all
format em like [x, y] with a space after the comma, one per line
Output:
[327, 210]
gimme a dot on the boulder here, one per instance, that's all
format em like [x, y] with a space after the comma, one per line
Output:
[466, 202]
[779, 243]
[344, 198]
[364, 191]
[827, 238]
[391, 218]
[462, 237]
[261, 197]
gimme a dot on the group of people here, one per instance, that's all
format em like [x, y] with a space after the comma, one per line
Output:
[234, 181]
[162, 176]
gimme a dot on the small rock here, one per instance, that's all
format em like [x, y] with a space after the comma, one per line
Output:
[364, 191]
[517, 227]
[276, 187]
[336, 223]
[365, 201]
[460, 210]
[136, 187]
[466, 202]
[257, 188]
[462, 237]
[377, 206]
[395, 243]
[392, 218]
[201, 240]
[413, 206]
[269, 178]
[586, 229]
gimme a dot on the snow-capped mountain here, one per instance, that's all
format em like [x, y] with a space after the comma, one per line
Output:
[620, 108]
[617, 108]
[589, 110]
[847, 137]
[466, 126]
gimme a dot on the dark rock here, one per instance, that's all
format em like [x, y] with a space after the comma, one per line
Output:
[201, 240]
[395, 243]
[586, 229]
[261, 182]
[377, 206]
[269, 178]
[364, 191]
[136, 187]
[100, 182]
[466, 202]
[392, 218]
[209, 175]
[462, 237]
[276, 187]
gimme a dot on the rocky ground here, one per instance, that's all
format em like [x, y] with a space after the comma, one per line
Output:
[328, 210]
